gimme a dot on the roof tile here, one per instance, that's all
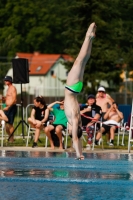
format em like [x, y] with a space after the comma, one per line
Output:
[40, 64]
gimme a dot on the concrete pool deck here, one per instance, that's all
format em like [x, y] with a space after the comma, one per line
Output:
[48, 149]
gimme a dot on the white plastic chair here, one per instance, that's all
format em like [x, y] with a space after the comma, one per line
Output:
[84, 135]
[66, 135]
[121, 131]
[31, 131]
[2, 128]
[95, 131]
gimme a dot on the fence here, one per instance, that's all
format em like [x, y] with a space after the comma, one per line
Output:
[126, 110]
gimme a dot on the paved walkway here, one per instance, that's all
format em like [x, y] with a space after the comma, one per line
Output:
[120, 151]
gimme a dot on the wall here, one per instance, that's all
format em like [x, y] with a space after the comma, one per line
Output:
[45, 85]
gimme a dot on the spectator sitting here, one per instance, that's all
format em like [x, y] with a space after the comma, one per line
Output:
[103, 100]
[39, 117]
[59, 124]
[93, 111]
[113, 116]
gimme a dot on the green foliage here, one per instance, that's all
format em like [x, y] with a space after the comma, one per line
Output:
[29, 26]
[111, 48]
[19, 141]
[55, 26]
[34, 25]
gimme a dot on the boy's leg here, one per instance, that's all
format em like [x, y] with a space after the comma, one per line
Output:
[47, 131]
[58, 131]
[77, 71]
[75, 138]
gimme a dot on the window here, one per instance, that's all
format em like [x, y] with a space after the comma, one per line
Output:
[52, 72]
[38, 68]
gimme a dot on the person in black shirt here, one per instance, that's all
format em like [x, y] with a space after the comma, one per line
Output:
[89, 111]
[39, 117]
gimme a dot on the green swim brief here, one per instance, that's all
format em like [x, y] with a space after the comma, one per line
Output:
[76, 88]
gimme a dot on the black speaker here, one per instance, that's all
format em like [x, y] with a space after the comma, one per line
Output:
[20, 70]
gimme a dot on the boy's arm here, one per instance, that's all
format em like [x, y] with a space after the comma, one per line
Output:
[52, 104]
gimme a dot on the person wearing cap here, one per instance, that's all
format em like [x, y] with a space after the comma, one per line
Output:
[103, 100]
[74, 85]
[90, 110]
[11, 109]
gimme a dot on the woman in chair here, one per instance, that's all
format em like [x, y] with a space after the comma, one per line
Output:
[74, 86]
[39, 117]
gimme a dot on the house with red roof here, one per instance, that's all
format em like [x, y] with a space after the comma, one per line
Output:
[45, 74]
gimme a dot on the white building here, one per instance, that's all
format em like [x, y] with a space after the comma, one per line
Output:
[46, 73]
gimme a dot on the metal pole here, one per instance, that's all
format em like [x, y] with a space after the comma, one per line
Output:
[22, 116]
[125, 87]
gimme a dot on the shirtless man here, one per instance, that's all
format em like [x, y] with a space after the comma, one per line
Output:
[103, 100]
[73, 87]
[113, 116]
[11, 108]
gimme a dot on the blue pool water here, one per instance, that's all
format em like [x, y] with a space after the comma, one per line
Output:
[44, 175]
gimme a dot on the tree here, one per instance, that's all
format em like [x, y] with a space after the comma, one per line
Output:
[29, 26]
[106, 51]
[126, 41]
[56, 26]
[34, 25]
[5, 63]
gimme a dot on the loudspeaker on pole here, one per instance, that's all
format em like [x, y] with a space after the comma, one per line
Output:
[20, 70]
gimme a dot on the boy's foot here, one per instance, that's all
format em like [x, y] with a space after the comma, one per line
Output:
[80, 158]
[91, 31]
[34, 145]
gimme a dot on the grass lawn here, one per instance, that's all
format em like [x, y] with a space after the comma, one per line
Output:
[20, 141]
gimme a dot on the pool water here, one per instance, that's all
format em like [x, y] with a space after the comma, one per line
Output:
[46, 175]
